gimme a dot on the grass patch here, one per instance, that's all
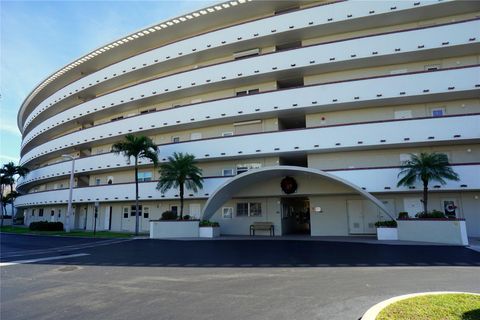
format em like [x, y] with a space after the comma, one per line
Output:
[434, 307]
[73, 233]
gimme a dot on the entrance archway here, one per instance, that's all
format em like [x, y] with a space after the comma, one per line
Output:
[247, 179]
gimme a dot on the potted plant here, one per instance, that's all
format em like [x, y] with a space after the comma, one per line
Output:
[387, 230]
[209, 229]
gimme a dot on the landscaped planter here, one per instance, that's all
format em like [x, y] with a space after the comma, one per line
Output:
[209, 232]
[164, 229]
[447, 231]
[384, 233]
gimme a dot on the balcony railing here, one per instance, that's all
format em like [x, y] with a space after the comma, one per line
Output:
[424, 86]
[372, 180]
[323, 19]
[392, 134]
[452, 39]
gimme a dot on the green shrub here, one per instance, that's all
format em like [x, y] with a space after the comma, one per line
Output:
[186, 217]
[46, 226]
[386, 224]
[208, 223]
[434, 214]
[169, 215]
[403, 215]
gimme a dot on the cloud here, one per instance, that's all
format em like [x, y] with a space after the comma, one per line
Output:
[5, 159]
[10, 128]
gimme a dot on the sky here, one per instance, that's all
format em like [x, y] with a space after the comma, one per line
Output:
[39, 37]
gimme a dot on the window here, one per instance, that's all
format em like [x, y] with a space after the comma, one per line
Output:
[249, 209]
[40, 212]
[174, 209]
[144, 176]
[98, 181]
[241, 168]
[247, 92]
[125, 212]
[438, 112]
[110, 180]
[33, 212]
[227, 172]
[246, 53]
[146, 212]
[148, 111]
[59, 213]
[175, 139]
[227, 134]
[117, 118]
[242, 209]
[227, 213]
[432, 67]
[255, 209]
[133, 210]
[52, 213]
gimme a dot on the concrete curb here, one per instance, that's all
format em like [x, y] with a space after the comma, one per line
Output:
[373, 312]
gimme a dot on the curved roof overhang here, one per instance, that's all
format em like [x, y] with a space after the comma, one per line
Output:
[228, 189]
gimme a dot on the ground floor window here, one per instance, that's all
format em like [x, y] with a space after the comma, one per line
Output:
[40, 212]
[133, 210]
[249, 209]
[227, 213]
[146, 212]
[242, 209]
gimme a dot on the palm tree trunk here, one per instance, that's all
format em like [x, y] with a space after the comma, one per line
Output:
[425, 196]
[136, 197]
[1, 205]
[181, 201]
[13, 215]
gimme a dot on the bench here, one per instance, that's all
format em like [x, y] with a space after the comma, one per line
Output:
[262, 226]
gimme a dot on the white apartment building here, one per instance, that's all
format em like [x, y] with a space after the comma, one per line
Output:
[323, 97]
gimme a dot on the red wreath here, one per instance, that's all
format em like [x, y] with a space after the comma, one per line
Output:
[289, 185]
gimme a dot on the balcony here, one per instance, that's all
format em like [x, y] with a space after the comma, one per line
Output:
[372, 180]
[306, 23]
[378, 134]
[441, 41]
[457, 83]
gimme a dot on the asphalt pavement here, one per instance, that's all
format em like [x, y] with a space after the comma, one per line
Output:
[229, 279]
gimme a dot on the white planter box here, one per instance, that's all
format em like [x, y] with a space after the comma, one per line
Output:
[430, 230]
[209, 232]
[387, 233]
[173, 229]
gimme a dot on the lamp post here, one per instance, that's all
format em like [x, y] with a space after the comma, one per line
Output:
[69, 209]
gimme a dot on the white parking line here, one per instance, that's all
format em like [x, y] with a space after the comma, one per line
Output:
[63, 248]
[11, 263]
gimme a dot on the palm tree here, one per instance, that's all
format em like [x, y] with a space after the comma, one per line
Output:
[426, 167]
[180, 172]
[10, 170]
[137, 147]
[4, 181]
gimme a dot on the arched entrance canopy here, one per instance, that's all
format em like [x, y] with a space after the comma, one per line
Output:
[248, 179]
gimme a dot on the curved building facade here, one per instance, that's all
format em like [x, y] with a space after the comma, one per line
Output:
[299, 113]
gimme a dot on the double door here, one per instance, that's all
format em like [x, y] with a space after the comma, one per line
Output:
[362, 215]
